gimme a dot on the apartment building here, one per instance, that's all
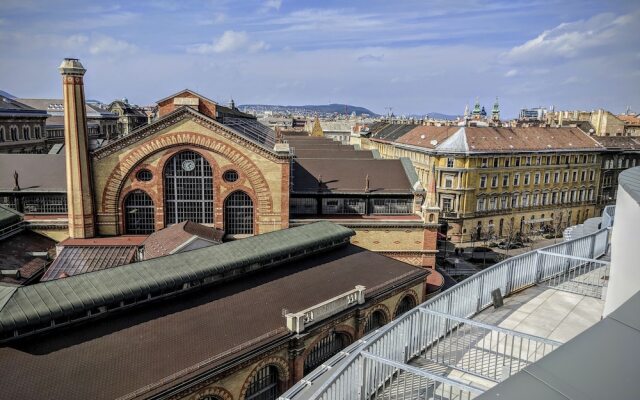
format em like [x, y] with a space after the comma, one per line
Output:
[497, 182]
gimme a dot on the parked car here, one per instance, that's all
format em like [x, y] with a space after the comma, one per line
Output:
[484, 254]
[511, 245]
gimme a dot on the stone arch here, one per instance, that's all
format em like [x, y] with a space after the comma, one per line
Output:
[215, 391]
[342, 329]
[281, 365]
[378, 307]
[411, 293]
[116, 179]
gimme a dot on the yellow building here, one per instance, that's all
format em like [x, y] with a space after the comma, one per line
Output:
[499, 182]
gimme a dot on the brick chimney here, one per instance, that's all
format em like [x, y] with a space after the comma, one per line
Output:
[76, 149]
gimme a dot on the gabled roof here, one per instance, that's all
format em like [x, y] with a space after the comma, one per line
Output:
[172, 238]
[191, 92]
[173, 117]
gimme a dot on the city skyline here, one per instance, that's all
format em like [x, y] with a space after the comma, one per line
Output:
[413, 57]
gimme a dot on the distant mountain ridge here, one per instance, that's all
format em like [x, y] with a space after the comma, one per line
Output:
[308, 109]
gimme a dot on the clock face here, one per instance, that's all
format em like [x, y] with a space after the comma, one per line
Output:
[188, 165]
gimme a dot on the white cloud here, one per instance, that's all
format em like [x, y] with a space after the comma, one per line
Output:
[108, 45]
[511, 73]
[573, 39]
[230, 41]
[273, 4]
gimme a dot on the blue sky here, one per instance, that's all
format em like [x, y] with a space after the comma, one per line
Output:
[414, 56]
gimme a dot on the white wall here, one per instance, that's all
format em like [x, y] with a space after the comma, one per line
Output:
[624, 277]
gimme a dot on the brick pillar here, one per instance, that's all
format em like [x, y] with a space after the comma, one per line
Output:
[79, 183]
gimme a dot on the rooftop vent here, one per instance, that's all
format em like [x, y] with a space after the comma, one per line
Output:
[422, 136]
[434, 142]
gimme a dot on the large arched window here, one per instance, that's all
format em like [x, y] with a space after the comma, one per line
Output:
[188, 189]
[264, 384]
[326, 348]
[210, 397]
[238, 214]
[26, 132]
[406, 304]
[376, 320]
[139, 213]
[13, 132]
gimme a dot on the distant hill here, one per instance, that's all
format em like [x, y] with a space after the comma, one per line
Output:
[7, 95]
[308, 109]
[436, 115]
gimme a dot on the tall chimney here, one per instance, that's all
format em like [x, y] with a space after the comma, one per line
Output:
[76, 149]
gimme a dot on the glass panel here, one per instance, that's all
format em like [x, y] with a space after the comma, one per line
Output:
[188, 189]
[238, 214]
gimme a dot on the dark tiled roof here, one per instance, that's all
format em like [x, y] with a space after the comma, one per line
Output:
[339, 153]
[136, 348]
[13, 107]
[36, 172]
[16, 254]
[491, 139]
[391, 132]
[167, 240]
[74, 260]
[349, 176]
[619, 142]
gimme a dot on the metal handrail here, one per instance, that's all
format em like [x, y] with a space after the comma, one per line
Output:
[463, 300]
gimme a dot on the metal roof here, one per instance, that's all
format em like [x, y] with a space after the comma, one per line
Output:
[74, 260]
[38, 304]
[630, 181]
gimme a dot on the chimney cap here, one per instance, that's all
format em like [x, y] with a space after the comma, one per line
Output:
[71, 66]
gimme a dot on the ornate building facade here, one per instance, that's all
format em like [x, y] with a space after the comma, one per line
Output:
[217, 166]
[494, 182]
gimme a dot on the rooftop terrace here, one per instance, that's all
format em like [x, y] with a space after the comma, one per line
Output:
[457, 345]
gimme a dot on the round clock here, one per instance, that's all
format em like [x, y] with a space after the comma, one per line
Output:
[188, 165]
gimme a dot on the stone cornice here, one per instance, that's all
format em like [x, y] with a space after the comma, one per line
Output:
[181, 114]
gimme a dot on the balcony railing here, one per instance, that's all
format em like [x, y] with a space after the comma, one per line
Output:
[377, 365]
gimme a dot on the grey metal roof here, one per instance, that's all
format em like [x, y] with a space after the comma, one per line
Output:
[36, 172]
[74, 260]
[8, 216]
[38, 304]
[600, 363]
[630, 182]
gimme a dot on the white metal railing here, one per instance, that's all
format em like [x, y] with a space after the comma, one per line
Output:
[348, 374]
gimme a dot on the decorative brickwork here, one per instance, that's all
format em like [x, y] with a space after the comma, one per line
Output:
[279, 363]
[175, 141]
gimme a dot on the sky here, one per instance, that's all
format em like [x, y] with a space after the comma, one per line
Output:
[413, 56]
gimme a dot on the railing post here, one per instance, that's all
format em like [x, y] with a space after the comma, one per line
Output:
[479, 296]
[592, 246]
[539, 266]
[362, 393]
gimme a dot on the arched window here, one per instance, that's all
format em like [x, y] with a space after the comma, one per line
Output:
[210, 397]
[238, 214]
[376, 320]
[139, 213]
[264, 384]
[1, 133]
[26, 133]
[406, 304]
[36, 132]
[323, 350]
[13, 132]
[188, 189]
